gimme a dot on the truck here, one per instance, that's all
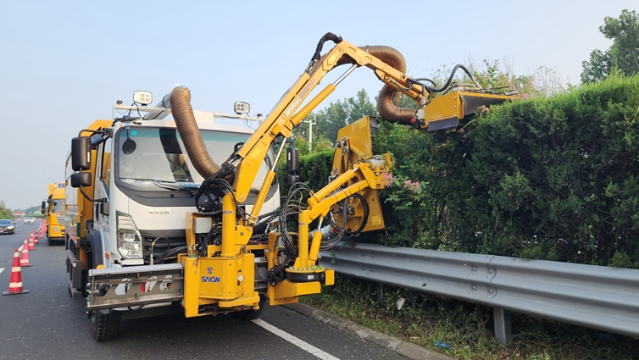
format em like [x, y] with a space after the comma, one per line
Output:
[54, 208]
[184, 214]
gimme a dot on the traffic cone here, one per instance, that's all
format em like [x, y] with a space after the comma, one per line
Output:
[31, 246]
[15, 283]
[35, 237]
[24, 260]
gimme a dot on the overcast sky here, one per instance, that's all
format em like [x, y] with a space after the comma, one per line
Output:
[64, 64]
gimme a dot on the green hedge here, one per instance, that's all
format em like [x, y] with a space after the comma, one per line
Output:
[314, 170]
[546, 178]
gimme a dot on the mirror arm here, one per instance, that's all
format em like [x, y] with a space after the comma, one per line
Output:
[89, 198]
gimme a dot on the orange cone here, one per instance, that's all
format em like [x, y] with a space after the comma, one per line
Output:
[24, 260]
[31, 246]
[15, 283]
[35, 238]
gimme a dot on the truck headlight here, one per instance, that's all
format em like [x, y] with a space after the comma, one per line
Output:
[129, 238]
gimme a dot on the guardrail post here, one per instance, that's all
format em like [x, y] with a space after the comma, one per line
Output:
[380, 292]
[502, 325]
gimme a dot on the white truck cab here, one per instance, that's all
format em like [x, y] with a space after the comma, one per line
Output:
[141, 184]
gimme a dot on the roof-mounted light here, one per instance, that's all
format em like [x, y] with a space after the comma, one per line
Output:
[242, 107]
[142, 97]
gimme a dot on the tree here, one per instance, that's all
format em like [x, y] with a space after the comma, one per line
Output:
[597, 69]
[341, 113]
[623, 55]
[5, 213]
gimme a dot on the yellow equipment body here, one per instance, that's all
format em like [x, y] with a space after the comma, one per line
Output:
[356, 176]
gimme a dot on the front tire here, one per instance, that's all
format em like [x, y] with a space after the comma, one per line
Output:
[103, 326]
[248, 315]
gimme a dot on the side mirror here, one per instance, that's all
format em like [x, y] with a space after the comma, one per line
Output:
[104, 208]
[292, 159]
[42, 212]
[43, 206]
[292, 164]
[80, 179]
[81, 153]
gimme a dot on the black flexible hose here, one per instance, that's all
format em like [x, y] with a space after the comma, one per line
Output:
[450, 78]
[361, 227]
[327, 37]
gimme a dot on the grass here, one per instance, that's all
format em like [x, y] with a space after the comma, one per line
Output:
[466, 328]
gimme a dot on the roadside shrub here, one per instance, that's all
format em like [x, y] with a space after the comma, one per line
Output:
[546, 178]
[553, 178]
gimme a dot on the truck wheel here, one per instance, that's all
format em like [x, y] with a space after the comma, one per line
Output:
[49, 241]
[103, 326]
[248, 315]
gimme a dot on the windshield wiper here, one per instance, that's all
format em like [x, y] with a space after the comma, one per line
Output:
[163, 184]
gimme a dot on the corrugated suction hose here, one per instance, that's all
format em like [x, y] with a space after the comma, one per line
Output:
[385, 105]
[190, 133]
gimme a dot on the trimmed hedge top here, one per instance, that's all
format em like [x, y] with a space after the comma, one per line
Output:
[545, 178]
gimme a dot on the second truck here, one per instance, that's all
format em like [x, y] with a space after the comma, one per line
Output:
[184, 214]
[54, 209]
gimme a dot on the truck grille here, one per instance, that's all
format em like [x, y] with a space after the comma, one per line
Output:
[161, 246]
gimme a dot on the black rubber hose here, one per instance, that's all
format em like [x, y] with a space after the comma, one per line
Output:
[362, 225]
[327, 37]
[450, 78]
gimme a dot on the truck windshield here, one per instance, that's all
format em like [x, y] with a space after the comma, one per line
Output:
[158, 154]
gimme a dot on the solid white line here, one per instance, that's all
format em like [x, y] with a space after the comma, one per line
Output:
[295, 341]
[1, 270]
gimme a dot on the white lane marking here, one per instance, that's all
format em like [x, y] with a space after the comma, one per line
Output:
[295, 341]
[1, 270]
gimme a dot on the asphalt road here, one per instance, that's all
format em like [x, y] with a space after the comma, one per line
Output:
[47, 324]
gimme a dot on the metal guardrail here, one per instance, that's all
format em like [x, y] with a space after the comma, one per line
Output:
[598, 297]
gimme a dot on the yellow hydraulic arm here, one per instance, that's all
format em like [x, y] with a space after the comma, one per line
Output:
[233, 260]
[243, 166]
[441, 112]
[284, 117]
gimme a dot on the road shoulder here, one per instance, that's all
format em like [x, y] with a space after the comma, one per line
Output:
[409, 350]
